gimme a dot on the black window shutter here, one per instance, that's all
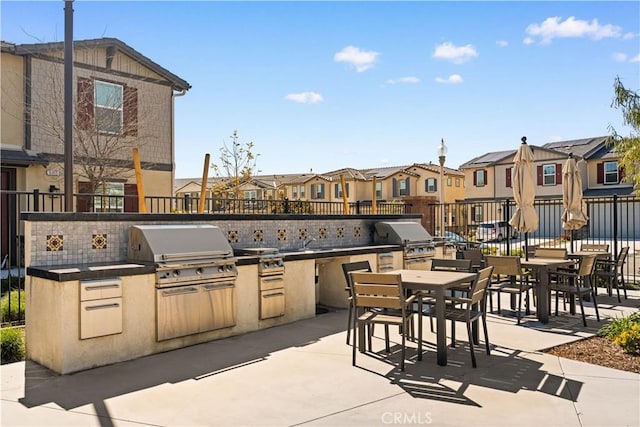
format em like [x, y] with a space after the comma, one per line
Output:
[600, 173]
[130, 111]
[620, 174]
[540, 176]
[84, 203]
[475, 178]
[407, 186]
[130, 198]
[507, 177]
[394, 183]
[435, 184]
[84, 104]
[426, 185]
[558, 174]
[473, 213]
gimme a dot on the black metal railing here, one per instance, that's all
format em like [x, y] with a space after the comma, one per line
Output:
[614, 220]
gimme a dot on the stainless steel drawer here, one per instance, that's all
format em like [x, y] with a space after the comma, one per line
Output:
[100, 317]
[98, 289]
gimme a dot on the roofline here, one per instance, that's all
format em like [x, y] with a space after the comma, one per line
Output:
[177, 82]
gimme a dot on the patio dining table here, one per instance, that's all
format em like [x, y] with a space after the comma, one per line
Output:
[543, 266]
[581, 254]
[437, 282]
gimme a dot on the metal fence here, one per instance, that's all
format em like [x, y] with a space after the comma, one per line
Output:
[613, 220]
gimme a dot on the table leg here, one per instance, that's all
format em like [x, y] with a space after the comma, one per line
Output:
[543, 297]
[441, 327]
[362, 332]
[419, 326]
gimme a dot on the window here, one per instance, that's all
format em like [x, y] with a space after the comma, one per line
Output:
[403, 187]
[338, 189]
[250, 194]
[109, 198]
[431, 185]
[611, 172]
[378, 190]
[479, 178]
[302, 191]
[108, 107]
[476, 213]
[457, 182]
[317, 191]
[294, 191]
[448, 181]
[549, 174]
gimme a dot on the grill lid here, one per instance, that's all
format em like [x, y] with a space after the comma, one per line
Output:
[401, 233]
[161, 243]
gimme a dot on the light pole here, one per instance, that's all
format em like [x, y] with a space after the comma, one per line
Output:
[442, 152]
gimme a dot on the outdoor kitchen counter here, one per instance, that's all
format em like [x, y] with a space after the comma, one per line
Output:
[312, 253]
[103, 270]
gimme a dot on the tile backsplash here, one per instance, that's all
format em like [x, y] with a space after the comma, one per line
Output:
[65, 242]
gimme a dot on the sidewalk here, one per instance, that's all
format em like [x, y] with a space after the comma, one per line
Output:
[301, 374]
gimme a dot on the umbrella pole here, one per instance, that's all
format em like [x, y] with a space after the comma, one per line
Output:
[526, 245]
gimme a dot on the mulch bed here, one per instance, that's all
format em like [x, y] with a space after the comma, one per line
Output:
[598, 351]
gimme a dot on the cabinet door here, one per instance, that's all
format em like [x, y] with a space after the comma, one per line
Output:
[100, 317]
[177, 311]
[272, 303]
[217, 306]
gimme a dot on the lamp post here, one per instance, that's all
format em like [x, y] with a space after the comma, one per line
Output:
[442, 152]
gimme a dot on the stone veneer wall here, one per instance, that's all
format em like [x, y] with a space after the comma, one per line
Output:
[79, 238]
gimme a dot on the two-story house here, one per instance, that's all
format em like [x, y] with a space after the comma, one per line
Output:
[122, 100]
[488, 177]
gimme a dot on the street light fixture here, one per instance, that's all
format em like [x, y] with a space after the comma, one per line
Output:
[442, 153]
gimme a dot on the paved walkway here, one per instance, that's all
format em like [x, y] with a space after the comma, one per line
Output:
[301, 374]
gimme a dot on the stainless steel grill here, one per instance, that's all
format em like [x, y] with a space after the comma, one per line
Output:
[417, 244]
[195, 276]
[270, 281]
[183, 253]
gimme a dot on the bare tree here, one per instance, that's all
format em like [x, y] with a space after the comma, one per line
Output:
[106, 124]
[237, 165]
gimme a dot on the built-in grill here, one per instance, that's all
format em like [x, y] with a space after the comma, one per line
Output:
[270, 280]
[195, 276]
[417, 244]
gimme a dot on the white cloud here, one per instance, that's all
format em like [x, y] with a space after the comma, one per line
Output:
[362, 60]
[408, 79]
[620, 57]
[635, 58]
[305, 97]
[528, 40]
[554, 27]
[456, 54]
[628, 36]
[502, 43]
[453, 79]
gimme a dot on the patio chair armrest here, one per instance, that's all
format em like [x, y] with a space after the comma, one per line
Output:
[411, 299]
[459, 300]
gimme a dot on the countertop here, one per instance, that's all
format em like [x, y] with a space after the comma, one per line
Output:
[63, 273]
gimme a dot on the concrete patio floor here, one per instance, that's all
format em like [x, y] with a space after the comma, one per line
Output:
[301, 374]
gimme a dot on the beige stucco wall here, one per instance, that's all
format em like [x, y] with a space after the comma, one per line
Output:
[154, 113]
[53, 318]
[12, 98]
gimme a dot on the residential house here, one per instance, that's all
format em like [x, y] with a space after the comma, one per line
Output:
[122, 100]
[488, 177]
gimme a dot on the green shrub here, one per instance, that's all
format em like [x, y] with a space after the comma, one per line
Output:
[12, 306]
[12, 345]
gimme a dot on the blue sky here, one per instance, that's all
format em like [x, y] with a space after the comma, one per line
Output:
[325, 85]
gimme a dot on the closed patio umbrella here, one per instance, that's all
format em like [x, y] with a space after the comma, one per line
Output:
[574, 216]
[525, 218]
